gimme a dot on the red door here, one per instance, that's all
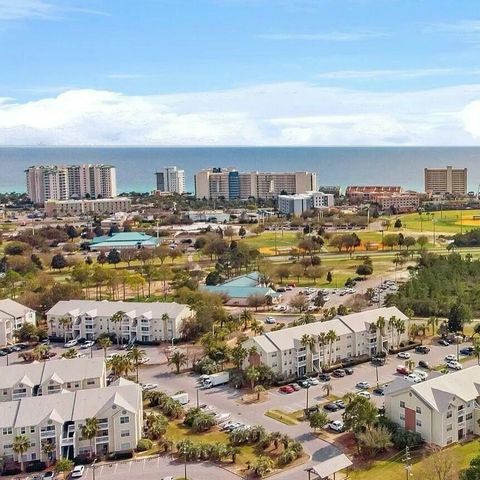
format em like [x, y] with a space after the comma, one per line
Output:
[409, 419]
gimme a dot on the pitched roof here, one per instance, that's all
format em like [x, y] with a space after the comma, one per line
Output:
[360, 321]
[13, 374]
[10, 308]
[251, 279]
[106, 308]
[124, 239]
[239, 292]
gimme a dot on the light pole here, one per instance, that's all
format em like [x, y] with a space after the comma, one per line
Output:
[308, 388]
[197, 398]
[376, 372]
[93, 468]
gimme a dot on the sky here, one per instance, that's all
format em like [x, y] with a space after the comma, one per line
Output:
[239, 72]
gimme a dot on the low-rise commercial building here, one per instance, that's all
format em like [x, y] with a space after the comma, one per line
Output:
[398, 202]
[300, 203]
[55, 376]
[98, 206]
[142, 322]
[12, 316]
[357, 334]
[443, 410]
[58, 420]
[121, 240]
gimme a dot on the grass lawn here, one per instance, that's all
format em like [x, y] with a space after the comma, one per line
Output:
[448, 221]
[394, 468]
[265, 242]
[286, 418]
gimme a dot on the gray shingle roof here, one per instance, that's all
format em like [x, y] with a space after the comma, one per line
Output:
[359, 322]
[10, 308]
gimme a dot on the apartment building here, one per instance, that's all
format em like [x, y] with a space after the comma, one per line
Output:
[171, 179]
[12, 316]
[449, 180]
[398, 202]
[299, 203]
[366, 193]
[231, 184]
[357, 335]
[98, 206]
[55, 376]
[143, 322]
[443, 409]
[58, 420]
[63, 182]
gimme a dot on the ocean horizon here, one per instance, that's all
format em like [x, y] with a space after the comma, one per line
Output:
[342, 166]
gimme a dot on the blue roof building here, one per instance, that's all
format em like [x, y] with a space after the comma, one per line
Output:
[123, 240]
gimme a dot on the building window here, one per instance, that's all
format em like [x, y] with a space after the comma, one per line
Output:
[460, 407]
[7, 431]
[23, 431]
[402, 404]
[90, 382]
[402, 416]
[449, 440]
[460, 419]
[449, 427]
[124, 419]
[419, 423]
[469, 416]
[449, 414]
[418, 410]
[125, 446]
[125, 433]
[32, 429]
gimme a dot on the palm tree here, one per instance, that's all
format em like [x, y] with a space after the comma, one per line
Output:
[330, 337]
[89, 431]
[307, 341]
[327, 388]
[232, 452]
[256, 327]
[322, 340]
[179, 359]
[246, 316]
[40, 352]
[400, 328]
[70, 353]
[117, 318]
[432, 322]
[258, 390]
[380, 324]
[476, 351]
[115, 364]
[136, 355]
[156, 426]
[21, 444]
[391, 327]
[48, 448]
[105, 343]
[252, 375]
[65, 322]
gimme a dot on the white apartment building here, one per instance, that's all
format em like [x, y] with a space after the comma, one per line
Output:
[63, 182]
[143, 322]
[231, 184]
[443, 409]
[12, 316]
[302, 202]
[357, 335]
[58, 420]
[54, 376]
[106, 206]
[171, 179]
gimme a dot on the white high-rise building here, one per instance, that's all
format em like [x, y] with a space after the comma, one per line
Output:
[63, 182]
[171, 179]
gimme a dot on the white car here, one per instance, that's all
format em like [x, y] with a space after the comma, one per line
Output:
[412, 378]
[450, 358]
[70, 343]
[149, 386]
[77, 471]
[420, 373]
[364, 394]
[269, 320]
[454, 365]
[144, 360]
[336, 426]
[222, 418]
[363, 385]
[88, 344]
[313, 381]
[404, 355]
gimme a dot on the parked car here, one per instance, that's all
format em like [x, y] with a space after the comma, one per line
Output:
[363, 385]
[270, 320]
[364, 394]
[340, 404]
[313, 381]
[443, 342]
[324, 377]
[286, 389]
[88, 344]
[454, 365]
[422, 349]
[336, 426]
[467, 351]
[412, 378]
[149, 386]
[420, 373]
[404, 355]
[303, 383]
[49, 475]
[379, 391]
[380, 361]
[348, 371]
[331, 407]
[424, 364]
[339, 372]
[450, 357]
[70, 344]
[294, 386]
[77, 471]
[403, 370]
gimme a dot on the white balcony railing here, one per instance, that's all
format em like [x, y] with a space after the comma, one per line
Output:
[103, 439]
[47, 434]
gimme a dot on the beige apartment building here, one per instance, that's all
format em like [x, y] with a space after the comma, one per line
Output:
[356, 335]
[449, 180]
[53, 376]
[58, 420]
[143, 322]
[399, 202]
[443, 409]
[12, 316]
[74, 208]
[231, 184]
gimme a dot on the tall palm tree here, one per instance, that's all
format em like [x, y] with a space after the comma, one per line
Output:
[322, 340]
[48, 448]
[70, 353]
[330, 337]
[65, 323]
[89, 431]
[307, 341]
[105, 343]
[21, 444]
[327, 388]
[432, 322]
[136, 355]
[156, 426]
[252, 375]
[400, 329]
[117, 318]
[179, 359]
[246, 317]
[256, 327]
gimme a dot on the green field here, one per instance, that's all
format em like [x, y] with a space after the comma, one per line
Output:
[453, 221]
[269, 239]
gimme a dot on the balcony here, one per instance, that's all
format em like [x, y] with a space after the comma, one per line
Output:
[103, 439]
[47, 434]
[103, 426]
[67, 441]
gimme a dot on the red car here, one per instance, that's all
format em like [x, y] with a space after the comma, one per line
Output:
[403, 370]
[286, 389]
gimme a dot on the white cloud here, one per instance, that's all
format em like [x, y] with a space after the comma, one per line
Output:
[395, 74]
[322, 36]
[19, 9]
[273, 114]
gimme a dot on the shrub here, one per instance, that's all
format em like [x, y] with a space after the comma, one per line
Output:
[121, 456]
[403, 438]
[35, 466]
[144, 444]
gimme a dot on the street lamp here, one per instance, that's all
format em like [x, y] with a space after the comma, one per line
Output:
[93, 468]
[308, 388]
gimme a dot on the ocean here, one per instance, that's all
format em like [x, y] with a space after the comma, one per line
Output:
[136, 166]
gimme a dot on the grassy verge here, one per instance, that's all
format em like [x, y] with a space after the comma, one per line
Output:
[287, 418]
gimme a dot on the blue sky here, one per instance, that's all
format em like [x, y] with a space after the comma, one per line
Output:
[174, 61]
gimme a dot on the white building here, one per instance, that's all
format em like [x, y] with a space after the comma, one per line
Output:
[302, 202]
[171, 179]
[63, 182]
[105, 206]
[357, 335]
[55, 376]
[443, 410]
[58, 419]
[143, 322]
[12, 316]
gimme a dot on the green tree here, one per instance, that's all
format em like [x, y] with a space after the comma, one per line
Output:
[262, 465]
[473, 471]
[364, 270]
[459, 315]
[63, 465]
[178, 359]
[89, 431]
[318, 420]
[360, 414]
[58, 262]
[252, 375]
[155, 426]
[238, 355]
[114, 257]
[105, 343]
[375, 440]
[21, 444]
[136, 355]
[246, 317]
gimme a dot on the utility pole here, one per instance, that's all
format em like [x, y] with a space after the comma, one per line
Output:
[408, 464]
[93, 468]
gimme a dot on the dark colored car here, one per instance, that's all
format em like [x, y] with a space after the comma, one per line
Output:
[423, 364]
[422, 349]
[380, 361]
[303, 383]
[379, 391]
[348, 371]
[3, 353]
[467, 351]
[331, 407]
[340, 404]
[324, 377]
[338, 372]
